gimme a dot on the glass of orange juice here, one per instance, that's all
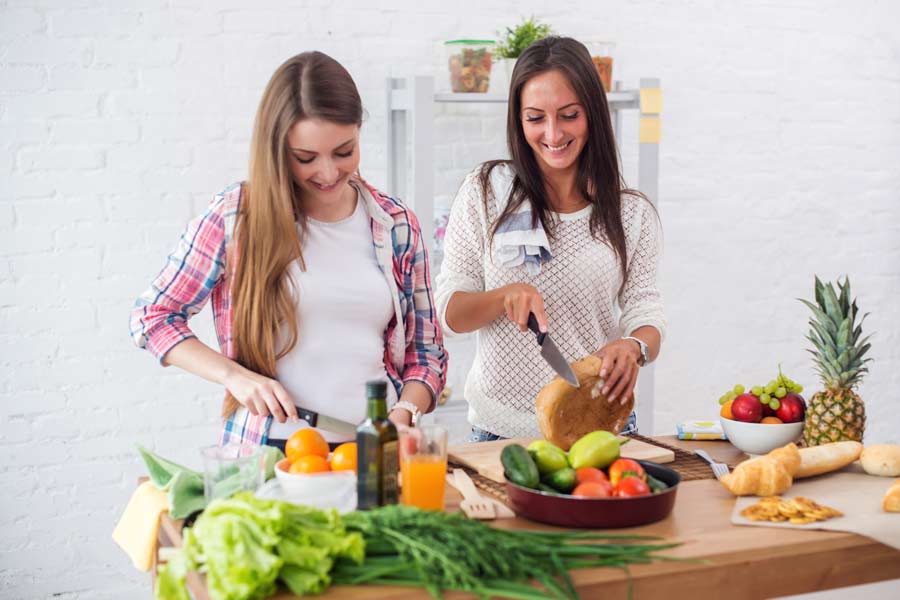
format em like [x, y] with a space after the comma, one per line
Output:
[423, 466]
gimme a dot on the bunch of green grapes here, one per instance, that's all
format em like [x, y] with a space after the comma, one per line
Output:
[769, 394]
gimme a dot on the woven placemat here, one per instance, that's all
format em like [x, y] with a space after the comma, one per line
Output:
[687, 464]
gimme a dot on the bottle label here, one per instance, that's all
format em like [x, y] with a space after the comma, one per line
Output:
[390, 465]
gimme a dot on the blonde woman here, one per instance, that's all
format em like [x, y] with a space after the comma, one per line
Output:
[318, 281]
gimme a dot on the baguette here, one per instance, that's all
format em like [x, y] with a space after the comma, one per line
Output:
[816, 460]
[768, 475]
[891, 502]
[881, 459]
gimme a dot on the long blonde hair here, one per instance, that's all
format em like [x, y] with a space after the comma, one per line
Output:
[309, 85]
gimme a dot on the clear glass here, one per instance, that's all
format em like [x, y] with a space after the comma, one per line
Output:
[602, 56]
[423, 466]
[231, 468]
[469, 63]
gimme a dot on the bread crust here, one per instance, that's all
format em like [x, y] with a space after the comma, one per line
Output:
[881, 459]
[565, 413]
[817, 460]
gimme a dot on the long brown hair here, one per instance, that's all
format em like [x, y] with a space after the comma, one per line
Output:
[598, 179]
[309, 85]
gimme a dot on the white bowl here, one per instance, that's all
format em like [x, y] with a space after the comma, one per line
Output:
[760, 438]
[316, 489]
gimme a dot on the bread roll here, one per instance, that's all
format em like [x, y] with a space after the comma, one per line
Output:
[816, 460]
[565, 413]
[768, 475]
[891, 502]
[881, 459]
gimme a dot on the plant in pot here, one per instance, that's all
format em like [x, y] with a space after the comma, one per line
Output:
[513, 43]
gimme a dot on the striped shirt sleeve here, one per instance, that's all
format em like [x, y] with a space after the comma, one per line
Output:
[159, 319]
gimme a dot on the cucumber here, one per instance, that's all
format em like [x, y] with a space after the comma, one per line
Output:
[546, 488]
[519, 467]
[655, 485]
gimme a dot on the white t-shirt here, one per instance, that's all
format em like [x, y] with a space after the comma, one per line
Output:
[343, 305]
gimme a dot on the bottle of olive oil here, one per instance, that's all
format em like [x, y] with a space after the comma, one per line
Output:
[376, 446]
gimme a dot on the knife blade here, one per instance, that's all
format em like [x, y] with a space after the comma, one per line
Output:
[552, 354]
[325, 422]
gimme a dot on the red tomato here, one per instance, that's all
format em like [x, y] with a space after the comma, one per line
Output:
[632, 486]
[618, 470]
[590, 474]
[593, 489]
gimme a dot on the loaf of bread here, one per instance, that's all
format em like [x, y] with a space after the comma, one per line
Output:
[891, 502]
[817, 460]
[768, 475]
[881, 459]
[565, 413]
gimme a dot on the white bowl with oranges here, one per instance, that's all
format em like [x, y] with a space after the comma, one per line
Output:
[312, 475]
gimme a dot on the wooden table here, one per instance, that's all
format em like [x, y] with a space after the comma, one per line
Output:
[732, 561]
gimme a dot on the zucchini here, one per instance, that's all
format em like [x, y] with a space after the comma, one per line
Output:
[519, 467]
[656, 486]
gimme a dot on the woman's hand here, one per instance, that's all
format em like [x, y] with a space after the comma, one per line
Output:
[401, 417]
[261, 395]
[520, 300]
[620, 369]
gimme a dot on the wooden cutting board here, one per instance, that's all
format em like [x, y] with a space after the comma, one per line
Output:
[484, 457]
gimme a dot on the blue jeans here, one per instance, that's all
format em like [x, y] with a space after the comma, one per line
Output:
[480, 435]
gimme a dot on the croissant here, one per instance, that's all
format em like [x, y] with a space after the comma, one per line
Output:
[768, 475]
[891, 502]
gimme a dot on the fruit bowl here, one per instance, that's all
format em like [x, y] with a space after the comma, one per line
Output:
[315, 485]
[574, 511]
[760, 438]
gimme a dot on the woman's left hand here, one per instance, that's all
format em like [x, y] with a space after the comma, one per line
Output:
[619, 370]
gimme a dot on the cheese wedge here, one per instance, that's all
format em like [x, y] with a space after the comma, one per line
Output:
[138, 528]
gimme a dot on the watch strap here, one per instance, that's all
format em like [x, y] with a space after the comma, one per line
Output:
[409, 406]
[644, 350]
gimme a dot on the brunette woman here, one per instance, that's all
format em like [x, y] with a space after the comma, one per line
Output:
[554, 232]
[318, 281]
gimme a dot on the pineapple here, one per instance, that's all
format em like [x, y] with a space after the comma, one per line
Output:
[836, 413]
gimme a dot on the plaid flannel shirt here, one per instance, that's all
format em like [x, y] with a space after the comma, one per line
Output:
[197, 271]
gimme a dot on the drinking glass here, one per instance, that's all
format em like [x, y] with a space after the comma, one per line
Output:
[423, 466]
[231, 468]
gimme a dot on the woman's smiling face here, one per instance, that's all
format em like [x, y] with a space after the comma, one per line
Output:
[324, 155]
[553, 120]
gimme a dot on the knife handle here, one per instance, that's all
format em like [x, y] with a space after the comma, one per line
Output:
[533, 326]
[309, 416]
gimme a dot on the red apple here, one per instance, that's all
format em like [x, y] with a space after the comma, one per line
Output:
[747, 408]
[792, 409]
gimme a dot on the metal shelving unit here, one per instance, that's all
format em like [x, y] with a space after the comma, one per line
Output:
[410, 152]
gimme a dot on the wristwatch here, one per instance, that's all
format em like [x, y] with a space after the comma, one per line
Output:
[412, 408]
[645, 351]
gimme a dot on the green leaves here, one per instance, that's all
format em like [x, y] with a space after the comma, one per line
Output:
[838, 345]
[522, 36]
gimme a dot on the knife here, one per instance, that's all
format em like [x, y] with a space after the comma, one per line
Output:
[552, 354]
[325, 422]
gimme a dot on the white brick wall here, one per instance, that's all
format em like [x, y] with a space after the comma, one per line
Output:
[119, 119]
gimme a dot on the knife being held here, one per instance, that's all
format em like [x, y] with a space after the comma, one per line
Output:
[325, 422]
[552, 354]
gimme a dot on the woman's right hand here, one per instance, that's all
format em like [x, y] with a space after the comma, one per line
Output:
[261, 395]
[521, 299]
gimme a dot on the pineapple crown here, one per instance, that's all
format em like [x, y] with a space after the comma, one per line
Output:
[837, 348]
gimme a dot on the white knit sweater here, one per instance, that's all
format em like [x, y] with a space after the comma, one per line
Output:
[580, 286]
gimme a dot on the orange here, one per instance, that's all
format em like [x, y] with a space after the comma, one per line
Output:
[726, 410]
[305, 442]
[284, 464]
[311, 463]
[344, 457]
[772, 420]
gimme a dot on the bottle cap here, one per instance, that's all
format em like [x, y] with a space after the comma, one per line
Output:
[376, 389]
